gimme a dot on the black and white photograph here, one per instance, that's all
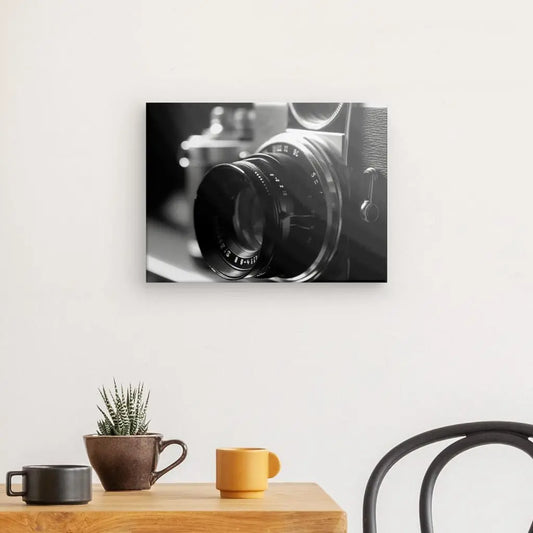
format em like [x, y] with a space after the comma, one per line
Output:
[266, 191]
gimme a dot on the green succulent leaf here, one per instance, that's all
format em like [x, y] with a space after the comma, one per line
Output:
[125, 410]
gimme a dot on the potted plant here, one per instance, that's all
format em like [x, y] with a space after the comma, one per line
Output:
[122, 452]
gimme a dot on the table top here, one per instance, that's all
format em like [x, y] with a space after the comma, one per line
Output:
[183, 507]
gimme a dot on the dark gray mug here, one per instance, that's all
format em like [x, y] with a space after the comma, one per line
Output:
[52, 484]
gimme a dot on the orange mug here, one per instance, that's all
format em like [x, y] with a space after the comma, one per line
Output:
[244, 472]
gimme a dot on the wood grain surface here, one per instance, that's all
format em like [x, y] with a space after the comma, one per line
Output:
[181, 508]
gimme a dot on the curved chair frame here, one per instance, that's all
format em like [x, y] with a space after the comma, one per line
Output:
[474, 434]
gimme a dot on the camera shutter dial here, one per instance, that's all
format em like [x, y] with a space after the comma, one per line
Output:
[315, 116]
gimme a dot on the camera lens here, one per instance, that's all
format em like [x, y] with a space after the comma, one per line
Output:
[275, 214]
[248, 220]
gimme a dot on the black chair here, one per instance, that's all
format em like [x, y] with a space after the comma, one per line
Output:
[474, 434]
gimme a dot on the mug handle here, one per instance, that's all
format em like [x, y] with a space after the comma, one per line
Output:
[9, 476]
[162, 445]
[274, 465]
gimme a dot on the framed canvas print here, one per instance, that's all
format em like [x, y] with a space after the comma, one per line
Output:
[266, 192]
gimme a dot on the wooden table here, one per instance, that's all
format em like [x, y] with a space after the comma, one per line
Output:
[181, 508]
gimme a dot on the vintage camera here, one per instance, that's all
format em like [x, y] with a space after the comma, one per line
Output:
[310, 204]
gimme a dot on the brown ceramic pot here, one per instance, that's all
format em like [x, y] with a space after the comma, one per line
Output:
[129, 462]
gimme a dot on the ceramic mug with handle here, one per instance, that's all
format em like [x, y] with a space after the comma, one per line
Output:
[129, 462]
[244, 472]
[52, 484]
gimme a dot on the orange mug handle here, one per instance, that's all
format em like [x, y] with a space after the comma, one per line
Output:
[274, 465]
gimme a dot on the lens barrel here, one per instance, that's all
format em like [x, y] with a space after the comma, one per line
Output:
[271, 215]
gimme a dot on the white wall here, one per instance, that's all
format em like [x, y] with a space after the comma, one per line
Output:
[330, 377]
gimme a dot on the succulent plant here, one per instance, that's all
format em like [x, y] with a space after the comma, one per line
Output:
[125, 410]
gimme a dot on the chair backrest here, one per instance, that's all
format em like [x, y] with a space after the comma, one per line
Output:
[473, 434]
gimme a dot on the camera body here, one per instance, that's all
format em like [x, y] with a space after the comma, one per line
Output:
[308, 204]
